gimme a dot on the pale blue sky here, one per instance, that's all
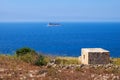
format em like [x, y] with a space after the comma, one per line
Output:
[59, 10]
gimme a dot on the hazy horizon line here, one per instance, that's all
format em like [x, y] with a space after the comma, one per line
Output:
[52, 21]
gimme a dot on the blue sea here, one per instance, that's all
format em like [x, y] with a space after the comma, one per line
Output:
[64, 40]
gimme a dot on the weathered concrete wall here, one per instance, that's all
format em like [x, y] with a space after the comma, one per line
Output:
[95, 56]
[98, 58]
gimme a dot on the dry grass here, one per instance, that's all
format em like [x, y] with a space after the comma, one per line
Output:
[12, 62]
[116, 61]
[67, 60]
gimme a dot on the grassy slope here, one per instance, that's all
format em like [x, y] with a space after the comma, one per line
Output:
[11, 67]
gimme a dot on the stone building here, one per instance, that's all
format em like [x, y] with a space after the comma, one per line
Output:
[94, 56]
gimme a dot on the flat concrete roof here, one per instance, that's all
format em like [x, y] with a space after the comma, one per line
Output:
[94, 50]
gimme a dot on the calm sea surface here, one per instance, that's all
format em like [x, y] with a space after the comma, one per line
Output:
[66, 40]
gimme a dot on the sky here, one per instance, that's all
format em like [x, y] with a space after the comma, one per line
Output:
[59, 10]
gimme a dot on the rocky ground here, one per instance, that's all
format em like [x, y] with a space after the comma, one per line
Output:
[11, 69]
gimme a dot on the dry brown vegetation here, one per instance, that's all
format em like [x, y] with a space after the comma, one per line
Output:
[12, 68]
[67, 60]
[116, 61]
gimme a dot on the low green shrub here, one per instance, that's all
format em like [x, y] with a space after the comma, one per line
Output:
[42, 60]
[30, 56]
[24, 51]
